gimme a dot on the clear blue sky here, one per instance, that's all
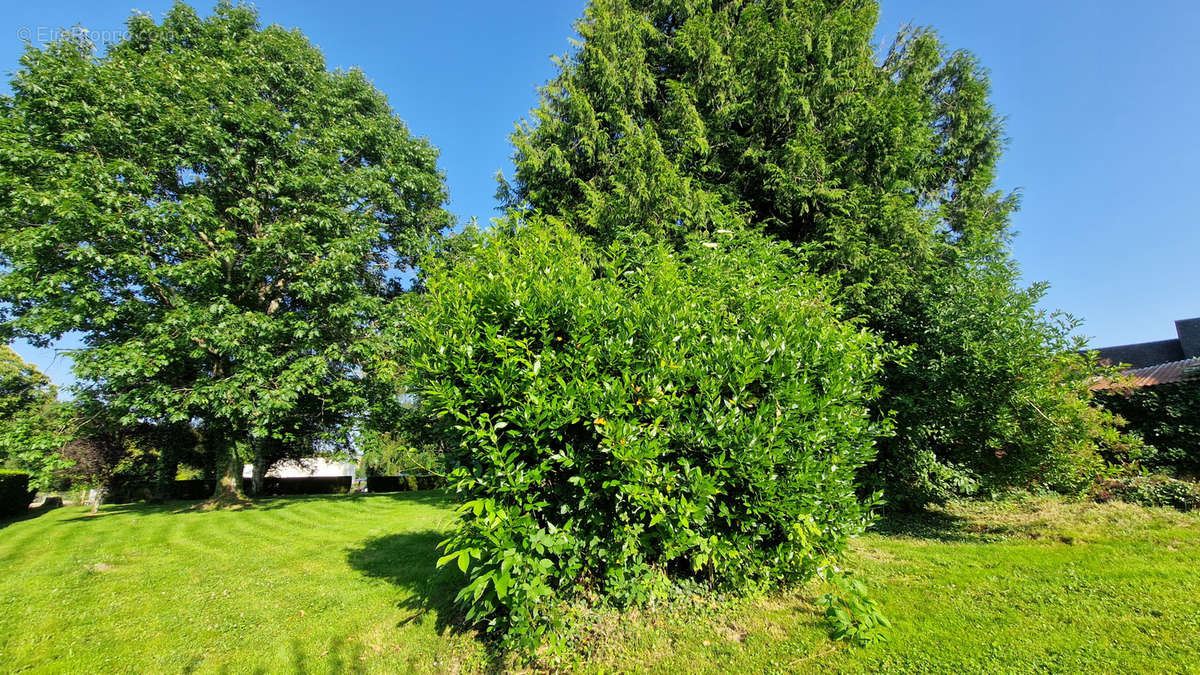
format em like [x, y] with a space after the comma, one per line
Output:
[1101, 98]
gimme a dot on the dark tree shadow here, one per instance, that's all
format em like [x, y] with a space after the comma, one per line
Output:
[133, 508]
[923, 524]
[338, 657]
[409, 560]
[29, 514]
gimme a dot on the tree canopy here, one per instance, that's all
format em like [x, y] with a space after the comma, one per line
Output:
[221, 217]
[22, 385]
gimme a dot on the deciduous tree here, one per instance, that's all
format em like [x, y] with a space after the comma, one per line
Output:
[220, 215]
[32, 424]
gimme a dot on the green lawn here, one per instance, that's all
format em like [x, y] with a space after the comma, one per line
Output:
[317, 584]
[344, 584]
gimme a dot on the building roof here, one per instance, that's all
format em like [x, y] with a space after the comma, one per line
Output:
[1162, 373]
[1186, 345]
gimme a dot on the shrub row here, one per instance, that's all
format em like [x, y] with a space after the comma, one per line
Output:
[202, 488]
[1167, 416]
[1154, 490]
[309, 485]
[403, 483]
[15, 495]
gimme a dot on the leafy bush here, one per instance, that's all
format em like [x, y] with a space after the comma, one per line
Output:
[850, 612]
[1152, 490]
[15, 494]
[628, 424]
[1168, 418]
[402, 449]
[990, 394]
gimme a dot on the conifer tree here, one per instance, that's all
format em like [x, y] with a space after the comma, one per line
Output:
[679, 115]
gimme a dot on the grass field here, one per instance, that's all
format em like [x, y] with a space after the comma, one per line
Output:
[346, 584]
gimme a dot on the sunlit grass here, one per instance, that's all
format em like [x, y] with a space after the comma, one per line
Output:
[319, 584]
[1035, 586]
[347, 584]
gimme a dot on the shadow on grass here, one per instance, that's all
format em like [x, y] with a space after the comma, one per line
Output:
[923, 524]
[336, 658]
[437, 497]
[29, 514]
[408, 560]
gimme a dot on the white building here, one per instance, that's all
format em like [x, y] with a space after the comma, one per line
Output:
[306, 468]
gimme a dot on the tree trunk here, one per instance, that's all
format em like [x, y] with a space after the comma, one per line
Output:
[229, 485]
[164, 476]
[267, 451]
[260, 468]
[99, 494]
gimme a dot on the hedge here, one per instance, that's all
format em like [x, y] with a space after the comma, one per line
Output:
[308, 485]
[1168, 417]
[15, 495]
[629, 424]
[202, 488]
[403, 483]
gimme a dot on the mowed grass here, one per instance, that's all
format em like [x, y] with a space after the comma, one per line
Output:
[310, 584]
[347, 584]
[1013, 587]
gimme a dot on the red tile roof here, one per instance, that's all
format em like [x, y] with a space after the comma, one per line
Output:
[1163, 373]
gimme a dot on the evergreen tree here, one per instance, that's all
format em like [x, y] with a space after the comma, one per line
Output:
[680, 115]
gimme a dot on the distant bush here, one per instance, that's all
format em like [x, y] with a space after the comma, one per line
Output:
[15, 495]
[400, 448]
[197, 488]
[1154, 490]
[631, 423]
[388, 484]
[307, 485]
[991, 395]
[403, 483]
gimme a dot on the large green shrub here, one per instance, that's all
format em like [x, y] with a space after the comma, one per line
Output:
[33, 424]
[991, 394]
[630, 423]
[15, 494]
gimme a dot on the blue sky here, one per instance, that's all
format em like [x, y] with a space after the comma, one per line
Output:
[1101, 98]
